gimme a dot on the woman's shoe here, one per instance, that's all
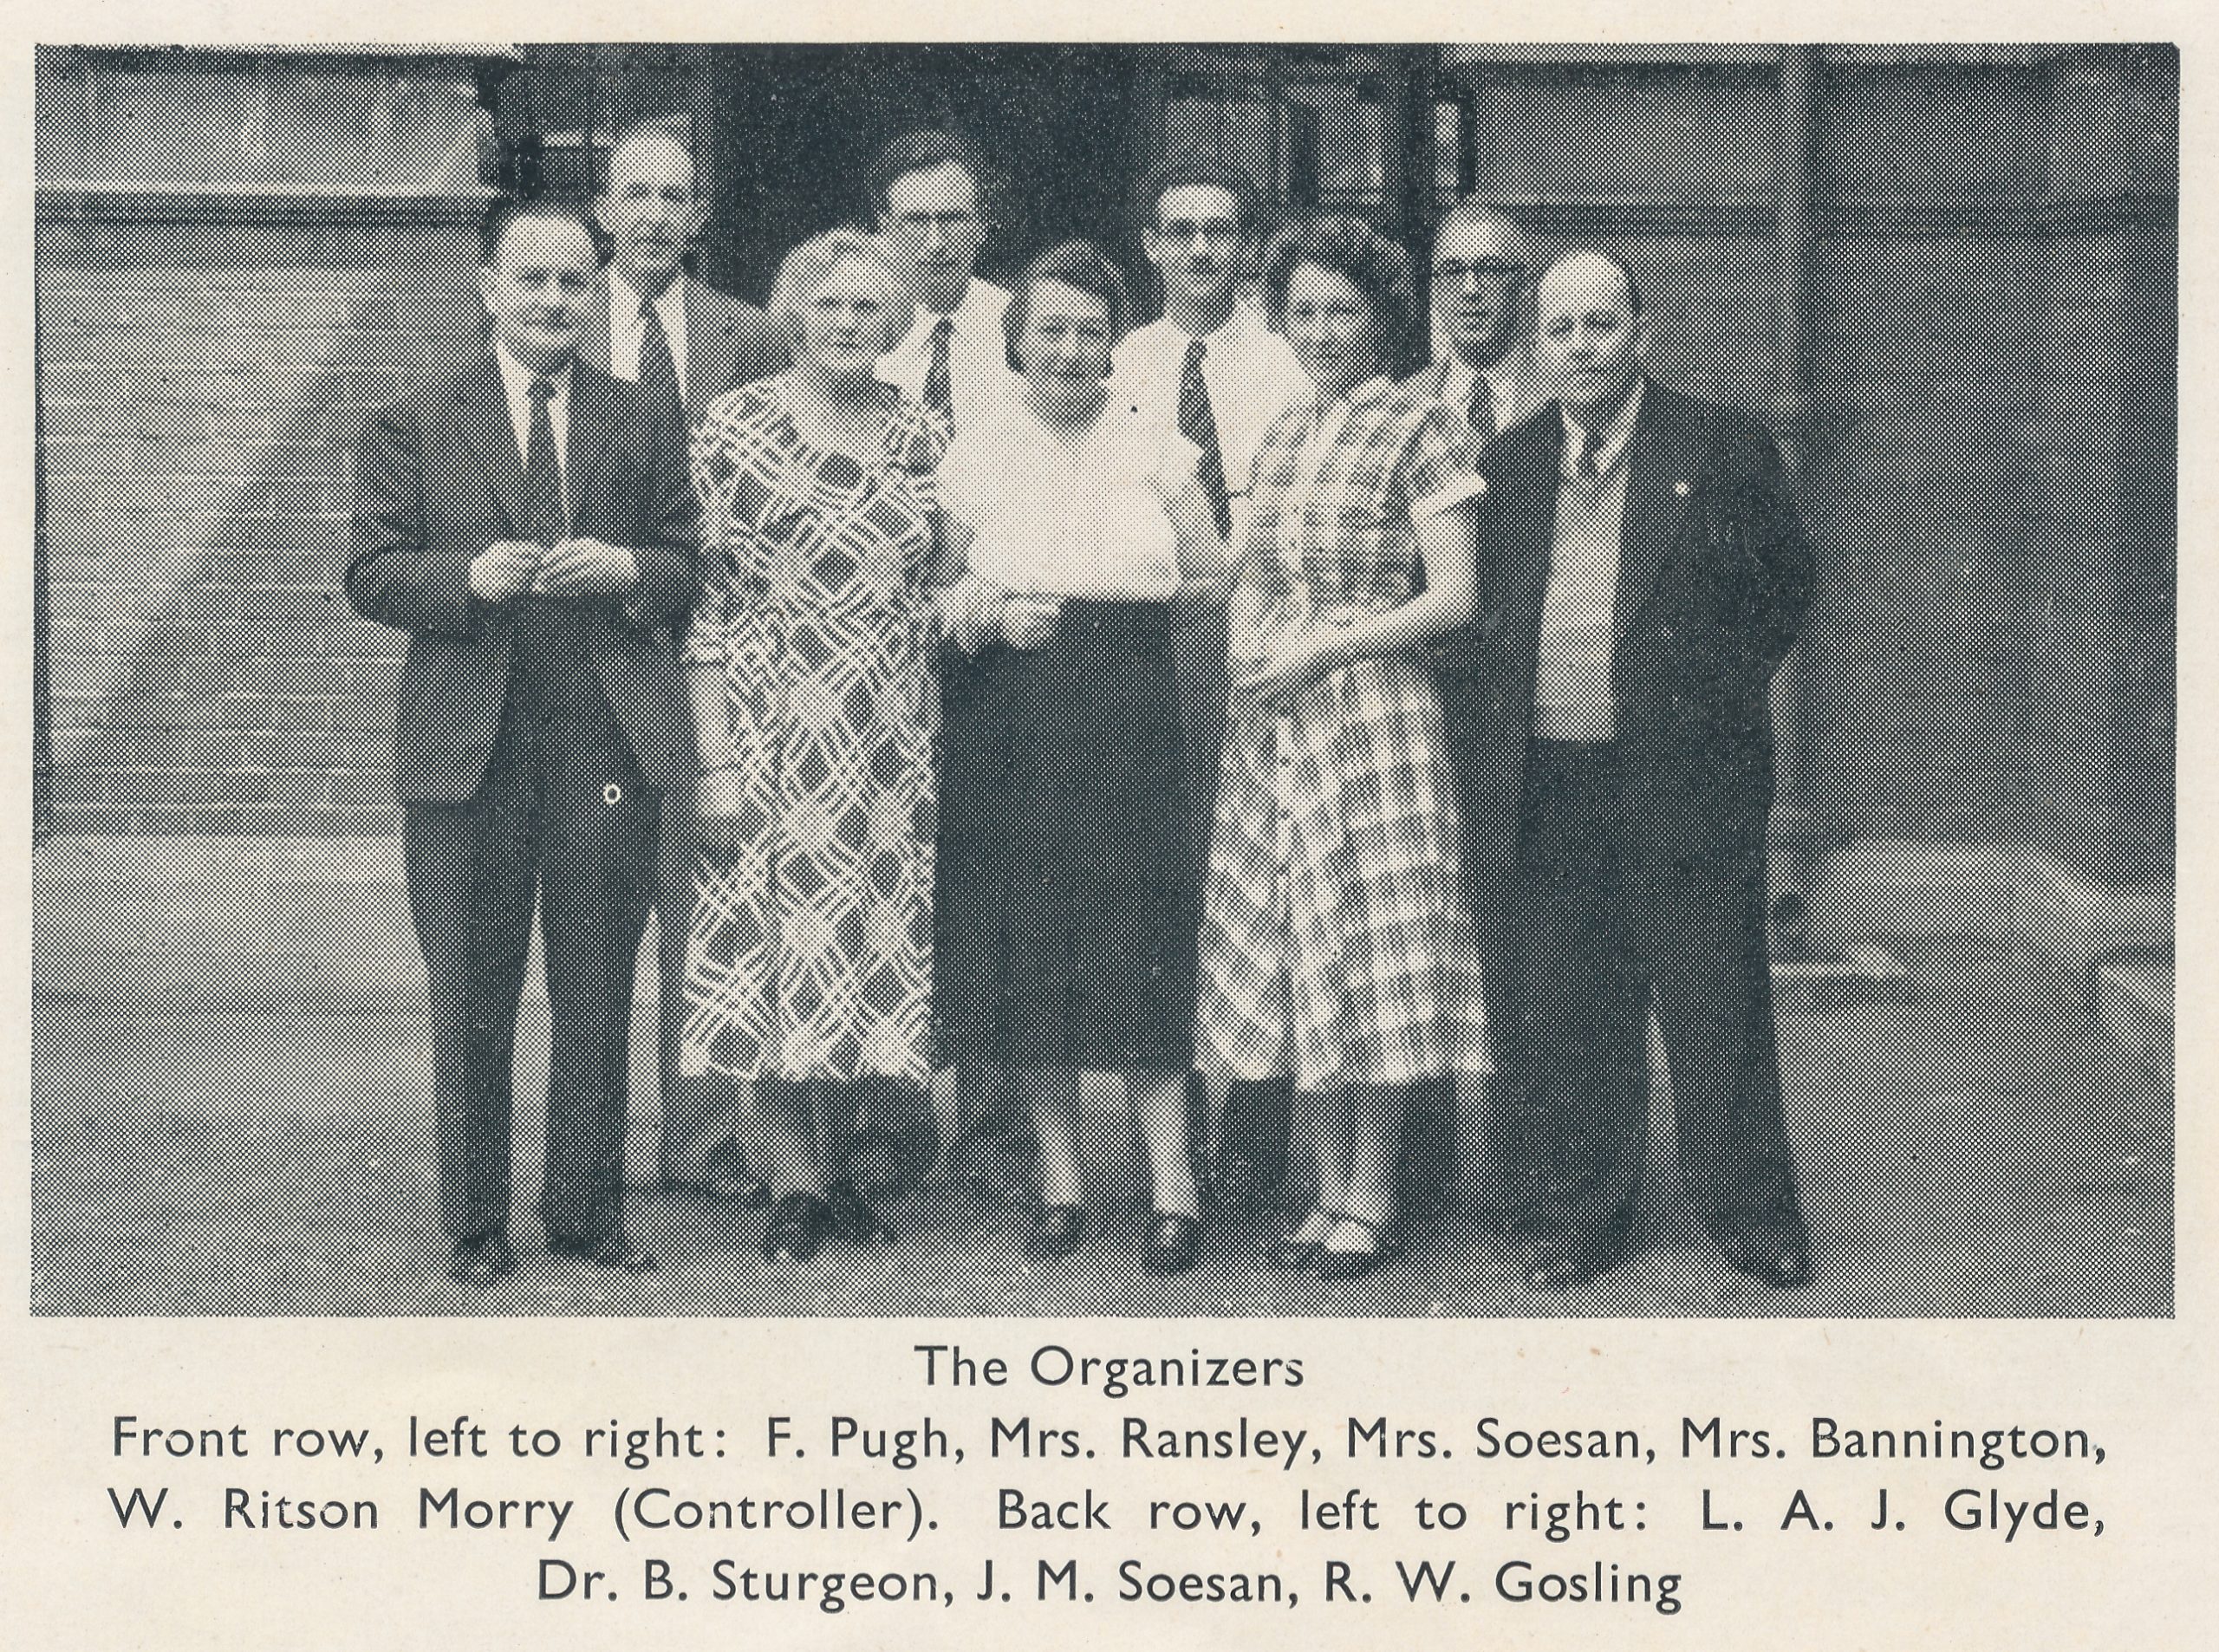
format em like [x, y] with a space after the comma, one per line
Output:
[1354, 1265]
[1171, 1243]
[1292, 1255]
[1056, 1230]
[852, 1218]
[800, 1223]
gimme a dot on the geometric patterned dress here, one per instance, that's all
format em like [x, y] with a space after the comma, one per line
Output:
[810, 955]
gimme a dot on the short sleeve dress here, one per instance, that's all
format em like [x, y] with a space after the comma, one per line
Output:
[811, 950]
[1335, 950]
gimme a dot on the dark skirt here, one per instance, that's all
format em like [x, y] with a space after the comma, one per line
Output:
[1065, 908]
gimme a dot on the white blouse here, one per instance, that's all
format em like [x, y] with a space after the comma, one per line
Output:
[1056, 518]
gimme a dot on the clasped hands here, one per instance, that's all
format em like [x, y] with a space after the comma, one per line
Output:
[574, 567]
[1278, 674]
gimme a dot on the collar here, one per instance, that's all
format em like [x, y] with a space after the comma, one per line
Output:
[1459, 382]
[516, 378]
[1228, 334]
[976, 310]
[625, 298]
[1612, 439]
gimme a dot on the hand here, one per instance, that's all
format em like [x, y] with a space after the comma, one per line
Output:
[504, 570]
[587, 568]
[1288, 667]
[720, 802]
[1028, 622]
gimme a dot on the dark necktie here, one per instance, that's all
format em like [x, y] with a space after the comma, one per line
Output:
[1199, 425]
[657, 366]
[1589, 444]
[1480, 414]
[543, 472]
[939, 395]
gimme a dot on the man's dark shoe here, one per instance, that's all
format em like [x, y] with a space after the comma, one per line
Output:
[479, 1262]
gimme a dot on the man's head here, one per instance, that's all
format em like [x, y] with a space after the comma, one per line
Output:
[650, 206]
[1480, 271]
[1590, 333]
[929, 202]
[1200, 234]
[537, 265]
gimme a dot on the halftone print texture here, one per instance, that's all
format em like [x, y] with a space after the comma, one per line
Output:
[1942, 281]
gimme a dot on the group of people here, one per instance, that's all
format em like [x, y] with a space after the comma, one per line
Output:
[1117, 718]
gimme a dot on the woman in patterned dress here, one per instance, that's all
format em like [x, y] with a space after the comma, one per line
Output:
[1065, 916]
[812, 664]
[1334, 951]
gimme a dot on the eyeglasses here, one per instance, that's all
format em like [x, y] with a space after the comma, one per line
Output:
[1488, 272]
[1218, 231]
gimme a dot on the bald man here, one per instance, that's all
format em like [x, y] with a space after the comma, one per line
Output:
[1644, 573]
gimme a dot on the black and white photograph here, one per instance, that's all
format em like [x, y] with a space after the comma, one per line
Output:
[1232, 682]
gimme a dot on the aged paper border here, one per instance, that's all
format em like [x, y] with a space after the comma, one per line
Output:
[2144, 1387]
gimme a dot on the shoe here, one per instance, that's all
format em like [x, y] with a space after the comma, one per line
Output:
[1056, 1230]
[800, 1223]
[1771, 1252]
[852, 1218]
[478, 1262]
[1293, 1255]
[1561, 1261]
[1171, 1243]
[1354, 1265]
[619, 1255]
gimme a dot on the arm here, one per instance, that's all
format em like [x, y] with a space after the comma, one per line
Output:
[394, 574]
[1778, 580]
[1447, 538]
[669, 563]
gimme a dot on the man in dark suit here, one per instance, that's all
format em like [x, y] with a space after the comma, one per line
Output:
[1644, 573]
[651, 323]
[527, 521]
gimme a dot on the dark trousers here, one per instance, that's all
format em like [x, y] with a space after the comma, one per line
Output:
[565, 824]
[1589, 962]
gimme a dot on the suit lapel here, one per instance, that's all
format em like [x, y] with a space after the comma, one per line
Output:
[592, 451]
[1660, 484]
[595, 345]
[491, 434]
[1528, 476]
[706, 323]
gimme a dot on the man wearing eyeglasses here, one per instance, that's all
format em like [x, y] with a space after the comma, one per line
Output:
[928, 201]
[1482, 372]
[1482, 349]
[1212, 370]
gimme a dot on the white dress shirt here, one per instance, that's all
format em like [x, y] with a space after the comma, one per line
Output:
[978, 354]
[1460, 383]
[627, 328]
[517, 378]
[1253, 376]
[1056, 518]
[1571, 689]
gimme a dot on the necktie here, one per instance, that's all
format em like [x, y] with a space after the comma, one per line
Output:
[1199, 425]
[939, 397]
[1588, 443]
[542, 473]
[657, 366]
[1480, 414]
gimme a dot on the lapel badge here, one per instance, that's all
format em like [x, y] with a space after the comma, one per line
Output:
[1680, 488]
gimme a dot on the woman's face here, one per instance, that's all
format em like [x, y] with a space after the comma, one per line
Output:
[1336, 331]
[1065, 344]
[849, 317]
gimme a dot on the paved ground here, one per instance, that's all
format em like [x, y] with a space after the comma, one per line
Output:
[1969, 1144]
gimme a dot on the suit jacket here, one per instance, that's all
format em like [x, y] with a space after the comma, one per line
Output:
[438, 480]
[729, 343]
[1713, 581]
